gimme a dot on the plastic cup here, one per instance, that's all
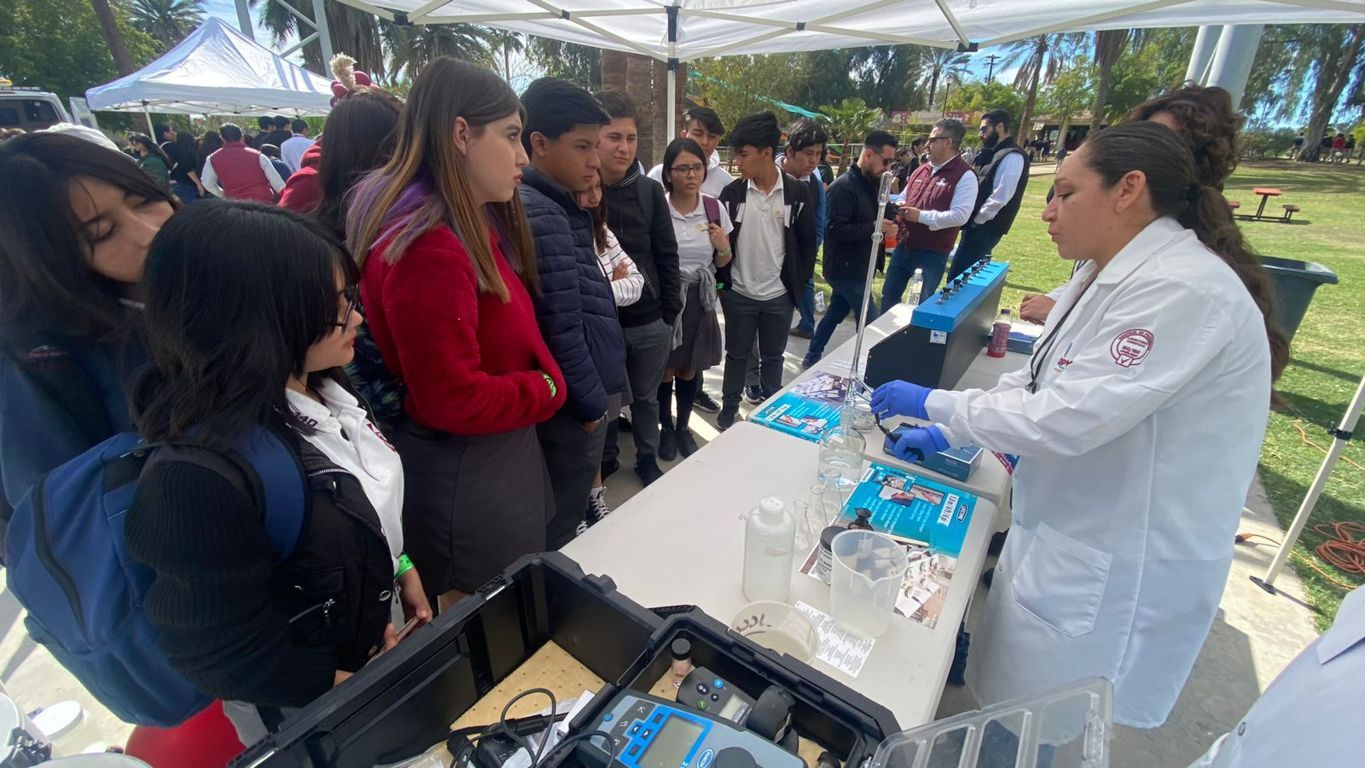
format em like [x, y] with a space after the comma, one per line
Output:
[778, 627]
[869, 568]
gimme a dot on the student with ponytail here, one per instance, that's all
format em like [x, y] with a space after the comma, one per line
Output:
[1138, 421]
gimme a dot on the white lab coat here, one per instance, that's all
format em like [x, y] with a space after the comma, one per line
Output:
[1137, 453]
[1311, 715]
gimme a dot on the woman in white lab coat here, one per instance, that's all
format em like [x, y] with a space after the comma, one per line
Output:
[1138, 422]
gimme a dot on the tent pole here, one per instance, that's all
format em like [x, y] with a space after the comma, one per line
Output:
[1205, 43]
[1342, 436]
[324, 32]
[244, 20]
[672, 111]
[151, 131]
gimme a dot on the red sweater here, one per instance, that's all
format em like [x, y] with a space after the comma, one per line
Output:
[302, 190]
[472, 364]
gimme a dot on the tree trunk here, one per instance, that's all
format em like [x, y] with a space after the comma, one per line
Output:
[933, 86]
[1109, 45]
[355, 33]
[1021, 137]
[640, 87]
[1101, 96]
[112, 35]
[1333, 73]
[614, 70]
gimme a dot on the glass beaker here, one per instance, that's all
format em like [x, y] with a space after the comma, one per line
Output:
[869, 569]
[841, 457]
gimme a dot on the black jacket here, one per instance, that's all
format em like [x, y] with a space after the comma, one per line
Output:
[232, 620]
[575, 307]
[637, 213]
[850, 214]
[798, 262]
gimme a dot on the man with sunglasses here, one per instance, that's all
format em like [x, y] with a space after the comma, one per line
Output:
[1002, 168]
[939, 198]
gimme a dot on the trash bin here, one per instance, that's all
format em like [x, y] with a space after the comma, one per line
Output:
[1292, 282]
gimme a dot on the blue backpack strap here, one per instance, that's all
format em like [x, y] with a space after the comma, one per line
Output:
[284, 488]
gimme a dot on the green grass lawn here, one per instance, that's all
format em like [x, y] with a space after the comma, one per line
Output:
[1328, 351]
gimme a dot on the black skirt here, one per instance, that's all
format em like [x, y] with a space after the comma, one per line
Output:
[472, 505]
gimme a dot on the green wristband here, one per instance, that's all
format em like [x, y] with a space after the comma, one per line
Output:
[554, 390]
[404, 565]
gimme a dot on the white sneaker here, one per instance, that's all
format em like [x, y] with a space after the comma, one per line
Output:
[597, 504]
[581, 528]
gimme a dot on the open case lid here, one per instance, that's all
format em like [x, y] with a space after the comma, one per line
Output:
[1067, 728]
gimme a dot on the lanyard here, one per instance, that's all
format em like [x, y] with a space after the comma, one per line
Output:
[1044, 349]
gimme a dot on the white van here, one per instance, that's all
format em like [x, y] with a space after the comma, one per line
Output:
[29, 108]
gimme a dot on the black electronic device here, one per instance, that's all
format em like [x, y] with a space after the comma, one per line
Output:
[704, 691]
[895, 435]
[945, 334]
[649, 732]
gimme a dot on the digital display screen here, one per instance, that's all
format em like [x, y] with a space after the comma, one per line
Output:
[671, 745]
[733, 709]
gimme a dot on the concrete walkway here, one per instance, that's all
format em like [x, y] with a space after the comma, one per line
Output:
[1254, 636]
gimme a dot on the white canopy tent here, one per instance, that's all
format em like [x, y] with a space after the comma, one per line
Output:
[216, 70]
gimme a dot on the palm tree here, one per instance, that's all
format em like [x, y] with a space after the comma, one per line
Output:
[168, 21]
[941, 64]
[506, 43]
[849, 122]
[113, 36]
[1109, 47]
[1039, 60]
[410, 48]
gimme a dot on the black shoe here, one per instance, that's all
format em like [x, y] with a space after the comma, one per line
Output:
[988, 576]
[801, 333]
[753, 394]
[726, 418]
[648, 470]
[806, 363]
[668, 445]
[623, 424]
[609, 468]
[705, 404]
[687, 443]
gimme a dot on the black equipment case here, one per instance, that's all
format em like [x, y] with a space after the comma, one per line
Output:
[405, 701]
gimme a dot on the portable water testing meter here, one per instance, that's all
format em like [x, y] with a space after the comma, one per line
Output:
[649, 732]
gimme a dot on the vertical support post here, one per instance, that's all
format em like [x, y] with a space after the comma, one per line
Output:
[151, 130]
[1205, 43]
[324, 31]
[672, 74]
[1233, 58]
[244, 20]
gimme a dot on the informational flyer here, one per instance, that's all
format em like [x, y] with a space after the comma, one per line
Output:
[807, 410]
[929, 519]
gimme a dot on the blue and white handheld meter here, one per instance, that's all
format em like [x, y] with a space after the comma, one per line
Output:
[649, 732]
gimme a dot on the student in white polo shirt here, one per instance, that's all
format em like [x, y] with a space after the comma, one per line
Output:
[773, 242]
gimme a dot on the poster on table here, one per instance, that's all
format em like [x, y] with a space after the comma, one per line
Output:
[809, 409]
[927, 518]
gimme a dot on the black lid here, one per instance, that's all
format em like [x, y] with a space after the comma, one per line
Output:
[827, 536]
[681, 649]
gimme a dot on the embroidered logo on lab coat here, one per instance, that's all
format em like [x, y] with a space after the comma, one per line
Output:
[1131, 347]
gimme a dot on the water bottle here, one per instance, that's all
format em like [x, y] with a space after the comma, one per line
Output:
[1000, 335]
[916, 287]
[820, 302]
[769, 543]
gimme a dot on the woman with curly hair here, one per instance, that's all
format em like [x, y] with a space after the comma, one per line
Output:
[1205, 119]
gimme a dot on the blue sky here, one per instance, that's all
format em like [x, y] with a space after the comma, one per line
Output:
[227, 11]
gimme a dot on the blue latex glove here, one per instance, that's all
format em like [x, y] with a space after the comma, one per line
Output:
[917, 442]
[900, 398]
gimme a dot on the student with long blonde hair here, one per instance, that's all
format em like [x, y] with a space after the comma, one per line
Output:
[447, 273]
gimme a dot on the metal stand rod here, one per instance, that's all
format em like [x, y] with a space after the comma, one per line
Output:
[883, 196]
[1342, 436]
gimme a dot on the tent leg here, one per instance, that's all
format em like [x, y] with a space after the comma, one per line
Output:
[1205, 43]
[244, 20]
[324, 33]
[1342, 435]
[151, 130]
[672, 129]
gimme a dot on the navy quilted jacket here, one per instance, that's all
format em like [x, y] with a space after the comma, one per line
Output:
[575, 308]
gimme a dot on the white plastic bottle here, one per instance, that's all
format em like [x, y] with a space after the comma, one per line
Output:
[916, 288]
[769, 543]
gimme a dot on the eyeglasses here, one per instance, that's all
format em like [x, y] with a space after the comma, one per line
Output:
[688, 170]
[352, 296]
[933, 139]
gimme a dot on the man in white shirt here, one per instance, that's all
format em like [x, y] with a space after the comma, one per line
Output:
[291, 151]
[939, 198]
[773, 242]
[1002, 167]
[703, 126]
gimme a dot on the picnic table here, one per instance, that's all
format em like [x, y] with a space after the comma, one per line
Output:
[1266, 193]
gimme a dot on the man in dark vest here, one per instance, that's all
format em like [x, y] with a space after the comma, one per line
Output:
[1002, 168]
[939, 197]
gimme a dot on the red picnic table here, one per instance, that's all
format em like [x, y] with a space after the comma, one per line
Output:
[1266, 193]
